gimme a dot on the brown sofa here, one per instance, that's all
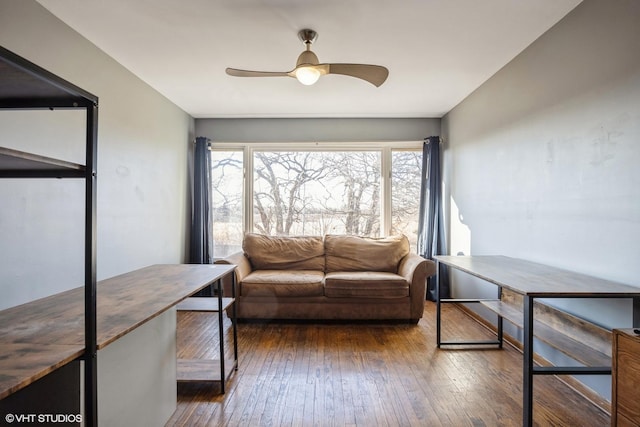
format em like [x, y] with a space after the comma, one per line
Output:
[330, 277]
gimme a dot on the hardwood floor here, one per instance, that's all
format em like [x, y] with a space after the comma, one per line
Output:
[368, 375]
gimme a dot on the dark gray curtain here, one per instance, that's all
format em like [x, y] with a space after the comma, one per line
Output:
[431, 237]
[201, 247]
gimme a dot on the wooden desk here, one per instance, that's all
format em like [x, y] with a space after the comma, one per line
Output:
[41, 336]
[532, 280]
[625, 402]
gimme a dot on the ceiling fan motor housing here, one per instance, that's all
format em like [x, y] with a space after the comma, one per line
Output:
[307, 58]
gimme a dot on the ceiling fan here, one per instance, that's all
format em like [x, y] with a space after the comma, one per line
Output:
[308, 69]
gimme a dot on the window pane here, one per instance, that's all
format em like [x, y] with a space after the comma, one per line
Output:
[406, 167]
[317, 193]
[227, 187]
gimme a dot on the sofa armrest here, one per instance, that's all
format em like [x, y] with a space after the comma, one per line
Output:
[415, 269]
[243, 268]
[409, 265]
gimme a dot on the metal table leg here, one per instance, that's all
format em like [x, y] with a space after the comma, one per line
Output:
[438, 306]
[527, 374]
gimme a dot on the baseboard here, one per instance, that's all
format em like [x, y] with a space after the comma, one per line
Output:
[577, 386]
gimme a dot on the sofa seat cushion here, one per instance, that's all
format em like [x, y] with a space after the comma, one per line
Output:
[282, 283]
[367, 284]
[284, 252]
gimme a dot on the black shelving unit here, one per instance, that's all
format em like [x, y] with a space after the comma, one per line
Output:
[26, 86]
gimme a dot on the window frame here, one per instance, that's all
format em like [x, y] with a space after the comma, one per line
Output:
[385, 148]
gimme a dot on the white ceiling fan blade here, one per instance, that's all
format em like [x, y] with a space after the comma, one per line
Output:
[374, 74]
[247, 73]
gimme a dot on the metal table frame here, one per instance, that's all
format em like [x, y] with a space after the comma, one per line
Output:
[218, 304]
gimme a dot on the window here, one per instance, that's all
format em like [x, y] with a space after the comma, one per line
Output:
[406, 167]
[315, 189]
[316, 192]
[226, 200]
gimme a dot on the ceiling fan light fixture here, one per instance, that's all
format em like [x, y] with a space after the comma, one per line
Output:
[307, 75]
[308, 69]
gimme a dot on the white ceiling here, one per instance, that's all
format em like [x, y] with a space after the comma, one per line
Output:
[437, 51]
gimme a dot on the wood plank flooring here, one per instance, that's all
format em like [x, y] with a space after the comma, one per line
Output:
[367, 375]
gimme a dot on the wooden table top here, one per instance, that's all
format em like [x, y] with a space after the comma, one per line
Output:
[41, 335]
[23, 364]
[538, 280]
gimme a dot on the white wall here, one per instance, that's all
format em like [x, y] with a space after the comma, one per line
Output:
[542, 160]
[148, 397]
[317, 130]
[142, 167]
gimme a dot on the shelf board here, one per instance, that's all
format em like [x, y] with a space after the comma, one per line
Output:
[568, 345]
[204, 304]
[506, 311]
[207, 370]
[27, 85]
[19, 164]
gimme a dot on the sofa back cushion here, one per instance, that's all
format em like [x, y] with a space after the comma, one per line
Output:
[284, 252]
[351, 253]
